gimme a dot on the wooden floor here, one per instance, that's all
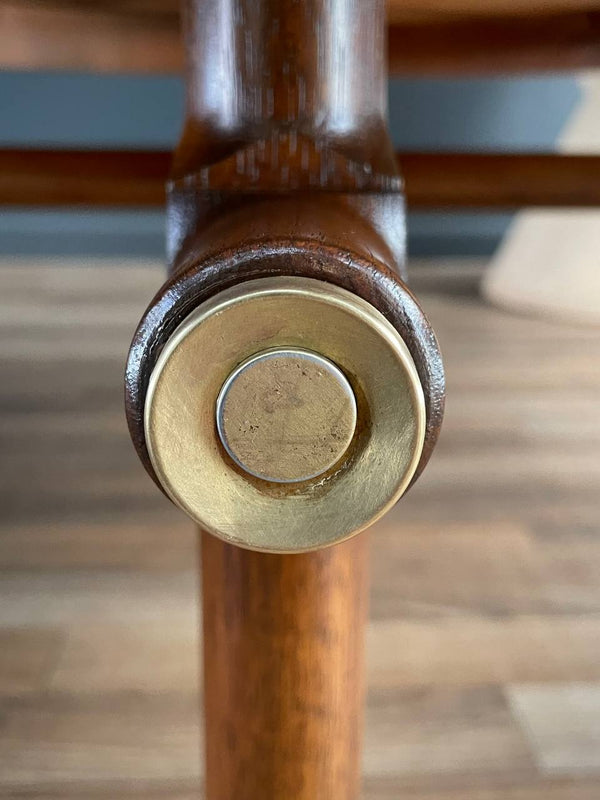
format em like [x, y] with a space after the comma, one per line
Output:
[484, 641]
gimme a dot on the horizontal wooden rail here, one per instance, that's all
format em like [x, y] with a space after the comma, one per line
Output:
[83, 177]
[435, 10]
[496, 46]
[481, 180]
[432, 37]
[433, 180]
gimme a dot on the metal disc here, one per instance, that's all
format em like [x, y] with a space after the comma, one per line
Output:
[213, 476]
[286, 415]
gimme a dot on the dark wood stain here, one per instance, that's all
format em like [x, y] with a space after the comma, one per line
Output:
[113, 178]
[144, 37]
[285, 167]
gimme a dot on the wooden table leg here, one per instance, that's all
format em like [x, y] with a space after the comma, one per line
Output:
[283, 680]
[286, 247]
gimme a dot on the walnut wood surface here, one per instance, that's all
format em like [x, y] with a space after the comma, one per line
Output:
[276, 174]
[425, 38]
[500, 180]
[432, 180]
[284, 239]
[33, 177]
[475, 46]
[285, 167]
[283, 663]
[407, 10]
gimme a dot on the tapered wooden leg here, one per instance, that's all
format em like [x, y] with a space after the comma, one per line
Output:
[283, 671]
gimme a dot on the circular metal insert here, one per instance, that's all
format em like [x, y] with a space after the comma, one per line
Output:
[286, 415]
[233, 342]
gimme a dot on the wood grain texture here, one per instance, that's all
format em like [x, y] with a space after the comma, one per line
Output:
[484, 580]
[400, 10]
[274, 171]
[283, 241]
[499, 180]
[432, 180]
[496, 45]
[283, 656]
[144, 37]
[285, 114]
[88, 178]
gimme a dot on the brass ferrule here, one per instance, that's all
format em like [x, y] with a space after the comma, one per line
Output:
[285, 414]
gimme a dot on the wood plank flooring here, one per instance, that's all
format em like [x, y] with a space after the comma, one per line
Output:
[484, 639]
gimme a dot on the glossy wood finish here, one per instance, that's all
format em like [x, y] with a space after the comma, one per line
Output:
[283, 662]
[436, 10]
[275, 168]
[500, 180]
[285, 167]
[432, 180]
[290, 236]
[281, 98]
[144, 37]
[309, 73]
[497, 45]
[33, 177]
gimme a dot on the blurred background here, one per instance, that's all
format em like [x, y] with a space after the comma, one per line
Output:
[484, 635]
[146, 112]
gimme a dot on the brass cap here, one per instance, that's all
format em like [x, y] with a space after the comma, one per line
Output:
[265, 456]
[286, 415]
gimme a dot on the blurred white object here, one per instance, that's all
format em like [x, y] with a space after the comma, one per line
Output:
[549, 261]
